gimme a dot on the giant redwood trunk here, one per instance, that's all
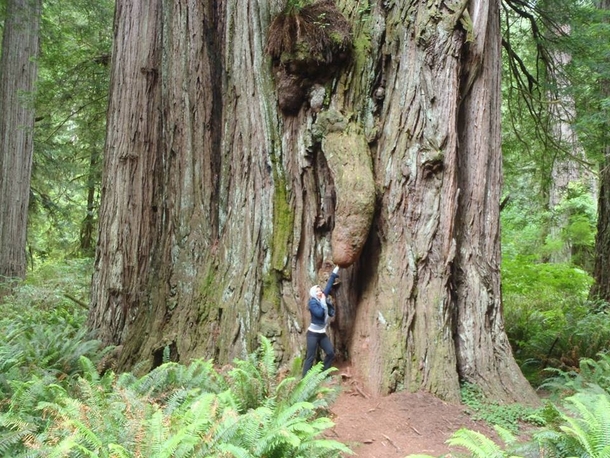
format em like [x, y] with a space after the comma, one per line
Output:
[18, 71]
[237, 173]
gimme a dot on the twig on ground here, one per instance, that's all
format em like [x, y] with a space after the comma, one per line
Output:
[374, 408]
[76, 301]
[364, 395]
[392, 442]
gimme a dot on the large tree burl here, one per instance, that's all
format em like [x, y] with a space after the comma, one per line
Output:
[349, 161]
[309, 43]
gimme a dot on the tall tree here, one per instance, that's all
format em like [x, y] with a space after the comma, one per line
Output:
[568, 168]
[251, 145]
[601, 273]
[17, 78]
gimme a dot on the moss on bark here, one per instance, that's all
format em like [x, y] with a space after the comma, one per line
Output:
[283, 221]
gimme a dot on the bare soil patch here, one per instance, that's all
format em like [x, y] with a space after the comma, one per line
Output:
[396, 425]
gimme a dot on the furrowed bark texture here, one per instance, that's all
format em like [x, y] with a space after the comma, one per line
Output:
[131, 171]
[405, 322]
[18, 72]
[484, 353]
[601, 272]
[243, 209]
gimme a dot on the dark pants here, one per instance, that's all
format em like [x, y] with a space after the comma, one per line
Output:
[315, 340]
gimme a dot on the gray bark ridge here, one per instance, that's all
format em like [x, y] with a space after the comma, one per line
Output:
[18, 73]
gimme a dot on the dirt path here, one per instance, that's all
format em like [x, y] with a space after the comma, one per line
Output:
[397, 425]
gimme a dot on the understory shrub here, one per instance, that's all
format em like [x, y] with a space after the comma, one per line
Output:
[548, 319]
[579, 428]
[506, 416]
[42, 326]
[174, 411]
[575, 424]
[592, 374]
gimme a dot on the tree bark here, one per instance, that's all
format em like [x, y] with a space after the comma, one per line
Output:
[601, 271]
[483, 351]
[391, 169]
[131, 171]
[88, 225]
[18, 71]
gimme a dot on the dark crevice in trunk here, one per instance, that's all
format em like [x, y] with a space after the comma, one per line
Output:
[349, 294]
[213, 39]
[165, 354]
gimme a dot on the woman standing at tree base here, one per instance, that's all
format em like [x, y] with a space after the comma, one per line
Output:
[321, 309]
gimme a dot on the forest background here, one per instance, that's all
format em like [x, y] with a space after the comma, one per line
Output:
[555, 158]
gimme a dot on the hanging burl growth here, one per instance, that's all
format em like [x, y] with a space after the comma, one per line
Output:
[347, 155]
[309, 43]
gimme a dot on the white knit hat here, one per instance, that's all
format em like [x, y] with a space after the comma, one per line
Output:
[313, 291]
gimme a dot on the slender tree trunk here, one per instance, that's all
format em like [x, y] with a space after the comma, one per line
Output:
[391, 169]
[17, 78]
[567, 168]
[88, 226]
[601, 272]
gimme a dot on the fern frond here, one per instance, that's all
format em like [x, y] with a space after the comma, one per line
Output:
[285, 415]
[229, 400]
[28, 394]
[507, 436]
[155, 434]
[201, 373]
[323, 447]
[13, 432]
[234, 451]
[266, 362]
[87, 439]
[275, 442]
[247, 383]
[88, 369]
[310, 388]
[118, 451]
[193, 426]
[592, 428]
[226, 430]
[285, 387]
[557, 443]
[156, 380]
[126, 380]
[479, 445]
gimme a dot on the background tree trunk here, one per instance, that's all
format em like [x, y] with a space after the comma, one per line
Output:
[218, 212]
[17, 78]
[566, 168]
[88, 225]
[601, 272]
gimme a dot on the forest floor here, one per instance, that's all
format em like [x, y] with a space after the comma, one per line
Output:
[396, 425]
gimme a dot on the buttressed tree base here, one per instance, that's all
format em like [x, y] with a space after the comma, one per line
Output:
[224, 193]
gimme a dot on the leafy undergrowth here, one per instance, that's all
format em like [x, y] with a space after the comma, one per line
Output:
[575, 424]
[174, 411]
[57, 404]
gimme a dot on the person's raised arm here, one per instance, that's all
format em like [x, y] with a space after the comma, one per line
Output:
[334, 274]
